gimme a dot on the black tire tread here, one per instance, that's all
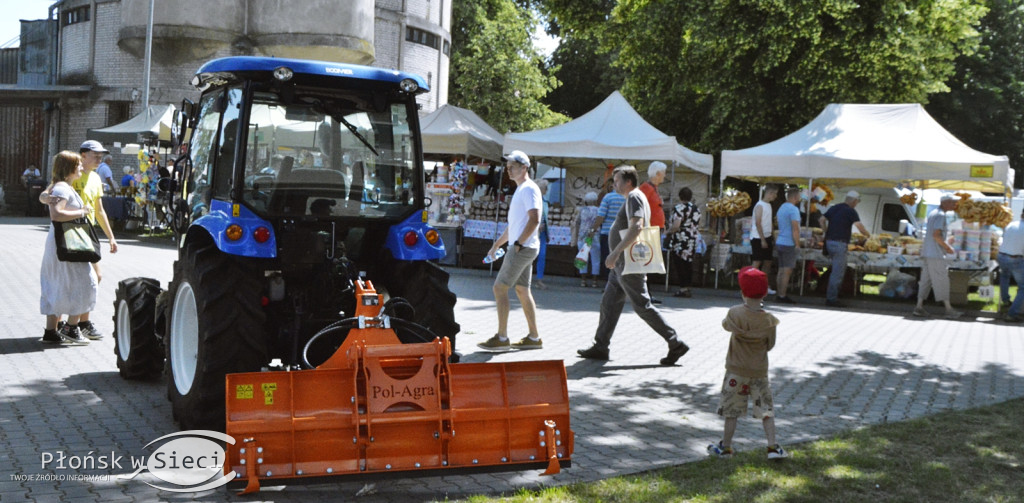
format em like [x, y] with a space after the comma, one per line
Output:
[146, 355]
[425, 285]
[231, 337]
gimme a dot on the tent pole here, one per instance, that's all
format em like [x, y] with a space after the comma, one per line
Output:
[497, 213]
[807, 223]
[561, 186]
[668, 254]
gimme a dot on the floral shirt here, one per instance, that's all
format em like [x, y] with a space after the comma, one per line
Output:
[587, 216]
[683, 241]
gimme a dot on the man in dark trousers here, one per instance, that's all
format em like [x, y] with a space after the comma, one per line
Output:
[838, 222]
[632, 217]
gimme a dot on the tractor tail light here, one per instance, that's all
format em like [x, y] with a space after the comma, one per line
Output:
[261, 234]
[432, 237]
[234, 232]
[411, 238]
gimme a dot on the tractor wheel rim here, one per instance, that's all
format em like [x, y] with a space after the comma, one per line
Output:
[124, 330]
[184, 339]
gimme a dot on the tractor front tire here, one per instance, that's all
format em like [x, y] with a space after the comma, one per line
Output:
[139, 352]
[215, 328]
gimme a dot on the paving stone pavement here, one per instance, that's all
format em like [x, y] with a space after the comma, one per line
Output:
[832, 370]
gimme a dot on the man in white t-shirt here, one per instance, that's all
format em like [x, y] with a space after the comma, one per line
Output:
[31, 174]
[523, 221]
[761, 232]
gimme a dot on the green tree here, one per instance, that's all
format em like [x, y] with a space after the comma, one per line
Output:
[985, 104]
[495, 70]
[735, 73]
[581, 62]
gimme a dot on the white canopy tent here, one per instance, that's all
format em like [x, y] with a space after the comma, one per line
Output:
[871, 145]
[457, 131]
[612, 133]
[153, 123]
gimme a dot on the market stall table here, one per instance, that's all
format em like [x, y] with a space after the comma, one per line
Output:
[479, 234]
[863, 261]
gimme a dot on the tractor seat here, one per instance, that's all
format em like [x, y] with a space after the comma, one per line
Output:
[294, 188]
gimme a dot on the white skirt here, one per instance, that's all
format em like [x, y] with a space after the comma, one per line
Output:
[66, 287]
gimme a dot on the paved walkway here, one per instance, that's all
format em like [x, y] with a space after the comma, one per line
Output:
[831, 371]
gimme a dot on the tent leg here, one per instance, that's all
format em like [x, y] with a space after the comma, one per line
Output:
[668, 267]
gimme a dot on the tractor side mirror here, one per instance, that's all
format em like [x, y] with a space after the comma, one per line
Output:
[183, 121]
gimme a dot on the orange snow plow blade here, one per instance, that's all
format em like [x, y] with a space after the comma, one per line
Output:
[379, 407]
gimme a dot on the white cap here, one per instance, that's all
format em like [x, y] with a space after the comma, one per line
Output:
[518, 156]
[590, 197]
[93, 145]
[948, 197]
[853, 194]
[655, 168]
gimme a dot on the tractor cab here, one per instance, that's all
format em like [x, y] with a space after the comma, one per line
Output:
[281, 143]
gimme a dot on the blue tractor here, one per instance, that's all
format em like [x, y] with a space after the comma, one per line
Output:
[295, 178]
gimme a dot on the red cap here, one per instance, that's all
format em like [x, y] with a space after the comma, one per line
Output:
[753, 283]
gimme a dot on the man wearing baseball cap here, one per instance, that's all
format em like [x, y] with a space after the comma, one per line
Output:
[90, 188]
[838, 222]
[524, 213]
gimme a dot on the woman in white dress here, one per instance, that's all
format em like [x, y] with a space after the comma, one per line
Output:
[66, 287]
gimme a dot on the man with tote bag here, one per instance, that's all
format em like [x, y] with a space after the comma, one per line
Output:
[632, 218]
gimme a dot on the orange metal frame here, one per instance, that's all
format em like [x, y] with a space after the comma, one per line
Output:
[378, 406]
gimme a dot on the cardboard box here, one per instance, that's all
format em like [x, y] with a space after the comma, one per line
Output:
[958, 282]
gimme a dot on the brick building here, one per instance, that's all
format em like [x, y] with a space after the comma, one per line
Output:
[83, 68]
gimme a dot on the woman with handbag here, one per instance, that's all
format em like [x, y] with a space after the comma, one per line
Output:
[65, 287]
[683, 240]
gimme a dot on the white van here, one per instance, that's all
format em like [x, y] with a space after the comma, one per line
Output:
[880, 209]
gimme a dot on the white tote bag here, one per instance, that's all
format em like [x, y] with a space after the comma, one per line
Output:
[643, 256]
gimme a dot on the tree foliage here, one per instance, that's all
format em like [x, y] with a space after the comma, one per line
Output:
[985, 104]
[495, 69]
[581, 62]
[726, 74]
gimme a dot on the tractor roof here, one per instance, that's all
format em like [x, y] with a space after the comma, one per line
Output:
[225, 70]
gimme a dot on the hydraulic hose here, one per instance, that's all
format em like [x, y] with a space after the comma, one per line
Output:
[421, 332]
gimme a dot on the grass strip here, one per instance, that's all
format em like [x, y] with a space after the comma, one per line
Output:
[974, 455]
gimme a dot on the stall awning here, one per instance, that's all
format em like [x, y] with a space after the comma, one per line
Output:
[871, 144]
[154, 123]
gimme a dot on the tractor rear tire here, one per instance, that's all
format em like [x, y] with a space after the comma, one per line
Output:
[140, 355]
[215, 328]
[425, 285]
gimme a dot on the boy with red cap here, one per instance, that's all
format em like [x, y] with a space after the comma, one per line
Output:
[746, 364]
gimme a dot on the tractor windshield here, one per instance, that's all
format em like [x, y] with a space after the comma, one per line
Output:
[330, 156]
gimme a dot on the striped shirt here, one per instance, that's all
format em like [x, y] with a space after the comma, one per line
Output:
[609, 209]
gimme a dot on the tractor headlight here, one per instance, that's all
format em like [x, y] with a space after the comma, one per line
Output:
[283, 73]
[408, 85]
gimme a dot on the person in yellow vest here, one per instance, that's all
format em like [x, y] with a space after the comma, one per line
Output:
[90, 188]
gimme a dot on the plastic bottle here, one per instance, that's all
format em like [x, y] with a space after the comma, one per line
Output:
[500, 252]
